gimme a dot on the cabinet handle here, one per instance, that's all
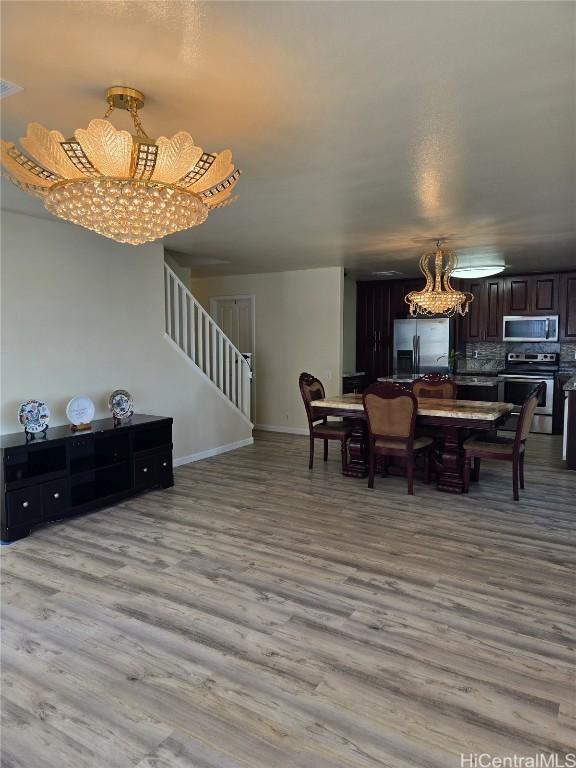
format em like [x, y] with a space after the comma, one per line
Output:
[164, 463]
[145, 469]
[56, 495]
[25, 504]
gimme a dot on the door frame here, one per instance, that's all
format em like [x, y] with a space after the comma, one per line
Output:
[214, 315]
[251, 297]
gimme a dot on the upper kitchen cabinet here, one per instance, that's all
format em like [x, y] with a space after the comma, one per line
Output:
[568, 306]
[399, 289]
[484, 319]
[525, 294]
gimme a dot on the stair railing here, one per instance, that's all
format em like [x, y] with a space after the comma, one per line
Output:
[200, 338]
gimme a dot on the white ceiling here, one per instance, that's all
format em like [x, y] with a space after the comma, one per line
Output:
[364, 129]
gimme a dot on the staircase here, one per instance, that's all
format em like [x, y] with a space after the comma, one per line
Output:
[195, 333]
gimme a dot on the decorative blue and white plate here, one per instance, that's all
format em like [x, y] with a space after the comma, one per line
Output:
[80, 410]
[34, 415]
[121, 404]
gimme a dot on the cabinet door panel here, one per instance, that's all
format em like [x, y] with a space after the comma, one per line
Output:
[518, 295]
[493, 310]
[474, 320]
[545, 294]
[568, 306]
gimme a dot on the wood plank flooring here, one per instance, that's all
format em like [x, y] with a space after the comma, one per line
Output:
[258, 615]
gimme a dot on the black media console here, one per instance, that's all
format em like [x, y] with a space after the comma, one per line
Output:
[65, 473]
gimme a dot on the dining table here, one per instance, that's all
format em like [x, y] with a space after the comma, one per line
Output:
[454, 419]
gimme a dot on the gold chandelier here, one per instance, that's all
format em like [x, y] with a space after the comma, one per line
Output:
[130, 188]
[438, 297]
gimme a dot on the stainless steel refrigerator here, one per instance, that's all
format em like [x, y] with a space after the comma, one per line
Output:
[421, 346]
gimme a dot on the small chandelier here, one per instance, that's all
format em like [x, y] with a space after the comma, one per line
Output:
[128, 187]
[438, 297]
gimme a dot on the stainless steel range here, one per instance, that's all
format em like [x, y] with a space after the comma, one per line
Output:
[523, 372]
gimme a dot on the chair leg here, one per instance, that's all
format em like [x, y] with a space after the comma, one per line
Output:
[515, 471]
[311, 462]
[476, 473]
[467, 463]
[344, 453]
[521, 469]
[325, 450]
[410, 474]
[371, 469]
[427, 467]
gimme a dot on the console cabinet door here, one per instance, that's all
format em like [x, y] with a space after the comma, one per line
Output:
[568, 306]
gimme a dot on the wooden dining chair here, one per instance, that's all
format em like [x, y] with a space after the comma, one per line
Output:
[391, 414]
[319, 427]
[437, 385]
[503, 448]
[440, 386]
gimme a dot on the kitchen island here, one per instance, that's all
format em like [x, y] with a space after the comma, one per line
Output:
[569, 442]
[470, 387]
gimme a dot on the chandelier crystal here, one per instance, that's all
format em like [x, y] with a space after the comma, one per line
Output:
[128, 187]
[438, 297]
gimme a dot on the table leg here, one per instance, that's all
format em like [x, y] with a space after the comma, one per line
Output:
[450, 478]
[355, 455]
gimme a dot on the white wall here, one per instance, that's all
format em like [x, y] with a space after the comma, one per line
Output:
[84, 315]
[349, 326]
[298, 328]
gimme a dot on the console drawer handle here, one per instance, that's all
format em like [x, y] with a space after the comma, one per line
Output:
[145, 469]
[164, 463]
[56, 495]
[25, 504]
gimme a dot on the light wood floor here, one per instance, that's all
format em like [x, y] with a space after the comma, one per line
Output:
[259, 615]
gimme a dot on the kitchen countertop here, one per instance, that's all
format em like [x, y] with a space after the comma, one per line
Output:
[461, 381]
[570, 385]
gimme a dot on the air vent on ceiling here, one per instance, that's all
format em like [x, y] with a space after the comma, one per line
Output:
[9, 89]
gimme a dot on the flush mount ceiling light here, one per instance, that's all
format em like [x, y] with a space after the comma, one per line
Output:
[484, 271]
[128, 187]
[478, 262]
[438, 297]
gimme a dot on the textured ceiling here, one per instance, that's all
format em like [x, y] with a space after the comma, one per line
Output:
[364, 129]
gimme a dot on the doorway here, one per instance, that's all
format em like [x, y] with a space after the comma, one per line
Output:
[236, 317]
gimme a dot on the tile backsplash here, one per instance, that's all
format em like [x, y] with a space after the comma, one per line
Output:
[492, 355]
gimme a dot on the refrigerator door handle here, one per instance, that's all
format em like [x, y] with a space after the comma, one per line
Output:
[418, 351]
[414, 357]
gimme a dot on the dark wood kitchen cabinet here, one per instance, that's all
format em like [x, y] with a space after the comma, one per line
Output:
[484, 319]
[378, 304]
[373, 329]
[568, 306]
[531, 293]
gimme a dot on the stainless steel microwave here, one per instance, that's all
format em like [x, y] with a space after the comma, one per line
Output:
[530, 328]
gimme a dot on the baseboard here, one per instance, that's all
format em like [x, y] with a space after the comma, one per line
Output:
[212, 452]
[286, 430]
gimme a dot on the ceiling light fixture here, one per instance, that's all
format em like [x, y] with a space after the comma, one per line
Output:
[438, 297]
[484, 271]
[128, 187]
